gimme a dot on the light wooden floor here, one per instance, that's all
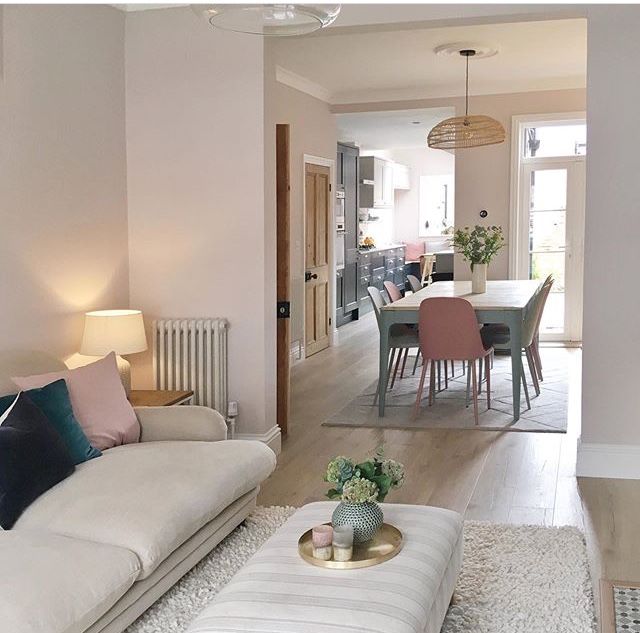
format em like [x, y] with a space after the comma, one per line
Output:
[488, 476]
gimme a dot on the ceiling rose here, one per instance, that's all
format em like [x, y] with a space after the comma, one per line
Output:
[276, 20]
[470, 130]
[454, 50]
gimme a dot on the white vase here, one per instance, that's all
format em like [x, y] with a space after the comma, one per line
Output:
[479, 278]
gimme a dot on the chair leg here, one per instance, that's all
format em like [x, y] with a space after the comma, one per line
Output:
[439, 384]
[480, 364]
[526, 390]
[474, 380]
[389, 368]
[395, 371]
[446, 374]
[416, 409]
[415, 364]
[532, 370]
[487, 370]
[432, 381]
[453, 369]
[468, 382]
[536, 358]
[404, 362]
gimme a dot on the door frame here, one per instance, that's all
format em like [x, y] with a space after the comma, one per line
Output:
[309, 159]
[283, 273]
[517, 192]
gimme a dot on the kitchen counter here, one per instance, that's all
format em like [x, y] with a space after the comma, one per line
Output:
[377, 249]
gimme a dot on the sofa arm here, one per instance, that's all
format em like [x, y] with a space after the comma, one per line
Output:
[183, 422]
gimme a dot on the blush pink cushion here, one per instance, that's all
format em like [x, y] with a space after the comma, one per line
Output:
[413, 250]
[98, 399]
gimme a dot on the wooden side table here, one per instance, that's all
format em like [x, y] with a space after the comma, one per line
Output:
[158, 397]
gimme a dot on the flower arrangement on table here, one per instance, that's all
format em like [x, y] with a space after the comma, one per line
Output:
[359, 487]
[478, 245]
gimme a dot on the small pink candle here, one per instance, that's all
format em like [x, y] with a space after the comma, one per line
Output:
[322, 535]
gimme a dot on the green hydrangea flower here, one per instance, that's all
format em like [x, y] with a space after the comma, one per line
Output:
[359, 490]
[339, 470]
[395, 471]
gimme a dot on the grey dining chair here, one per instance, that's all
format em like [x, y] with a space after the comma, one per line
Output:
[414, 282]
[401, 338]
[498, 334]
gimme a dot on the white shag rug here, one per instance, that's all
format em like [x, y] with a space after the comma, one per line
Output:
[527, 579]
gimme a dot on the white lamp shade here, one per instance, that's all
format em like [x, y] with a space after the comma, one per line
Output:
[119, 331]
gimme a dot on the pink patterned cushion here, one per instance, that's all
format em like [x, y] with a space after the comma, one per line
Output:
[413, 250]
[98, 399]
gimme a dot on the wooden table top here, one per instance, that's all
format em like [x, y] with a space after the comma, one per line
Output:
[508, 294]
[157, 397]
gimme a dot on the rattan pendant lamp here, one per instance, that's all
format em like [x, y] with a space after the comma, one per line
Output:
[470, 130]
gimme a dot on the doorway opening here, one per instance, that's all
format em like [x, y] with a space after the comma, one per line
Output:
[547, 215]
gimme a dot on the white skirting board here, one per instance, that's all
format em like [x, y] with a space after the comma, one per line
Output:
[272, 438]
[610, 461]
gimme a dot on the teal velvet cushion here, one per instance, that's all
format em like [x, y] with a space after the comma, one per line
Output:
[54, 402]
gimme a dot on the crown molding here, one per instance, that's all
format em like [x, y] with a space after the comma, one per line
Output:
[298, 82]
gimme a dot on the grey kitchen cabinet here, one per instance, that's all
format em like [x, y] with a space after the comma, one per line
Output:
[347, 181]
[378, 266]
[376, 183]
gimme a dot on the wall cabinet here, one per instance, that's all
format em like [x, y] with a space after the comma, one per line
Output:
[401, 176]
[376, 183]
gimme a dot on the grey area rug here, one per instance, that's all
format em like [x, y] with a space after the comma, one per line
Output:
[527, 579]
[548, 412]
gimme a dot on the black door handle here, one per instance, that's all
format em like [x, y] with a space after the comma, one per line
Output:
[308, 276]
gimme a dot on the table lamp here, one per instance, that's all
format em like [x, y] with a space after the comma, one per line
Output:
[119, 331]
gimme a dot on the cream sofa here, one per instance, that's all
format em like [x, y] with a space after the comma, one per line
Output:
[96, 550]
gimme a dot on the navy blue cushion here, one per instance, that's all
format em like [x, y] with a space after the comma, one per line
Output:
[53, 400]
[33, 458]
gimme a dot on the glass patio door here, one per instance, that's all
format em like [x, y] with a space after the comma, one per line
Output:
[553, 196]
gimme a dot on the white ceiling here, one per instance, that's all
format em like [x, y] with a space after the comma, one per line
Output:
[396, 129]
[401, 64]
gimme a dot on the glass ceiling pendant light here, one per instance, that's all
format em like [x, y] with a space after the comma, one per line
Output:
[470, 130]
[276, 20]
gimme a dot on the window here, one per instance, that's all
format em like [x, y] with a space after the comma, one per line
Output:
[555, 140]
[436, 205]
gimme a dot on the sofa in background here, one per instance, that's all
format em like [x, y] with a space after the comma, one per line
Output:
[96, 550]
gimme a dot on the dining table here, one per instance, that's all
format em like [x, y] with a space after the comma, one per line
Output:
[504, 301]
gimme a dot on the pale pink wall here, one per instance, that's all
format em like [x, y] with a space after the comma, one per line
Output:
[483, 174]
[611, 335]
[421, 161]
[197, 225]
[313, 131]
[63, 229]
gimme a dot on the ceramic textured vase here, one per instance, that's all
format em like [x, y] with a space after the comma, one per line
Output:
[479, 278]
[366, 519]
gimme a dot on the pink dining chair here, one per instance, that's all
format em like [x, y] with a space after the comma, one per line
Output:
[392, 291]
[448, 330]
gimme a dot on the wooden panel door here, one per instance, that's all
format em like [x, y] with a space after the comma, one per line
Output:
[317, 197]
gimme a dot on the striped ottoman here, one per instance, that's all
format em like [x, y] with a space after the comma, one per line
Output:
[277, 592]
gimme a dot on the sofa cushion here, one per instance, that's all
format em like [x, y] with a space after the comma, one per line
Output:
[151, 497]
[99, 401]
[33, 458]
[55, 403]
[55, 584]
